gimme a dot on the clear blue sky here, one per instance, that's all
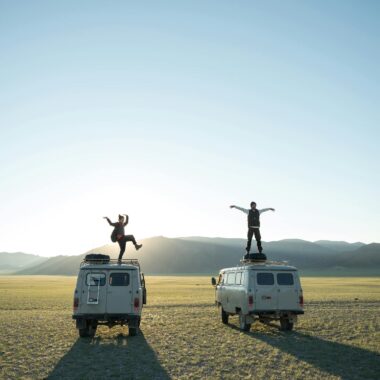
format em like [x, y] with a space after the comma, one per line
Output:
[170, 111]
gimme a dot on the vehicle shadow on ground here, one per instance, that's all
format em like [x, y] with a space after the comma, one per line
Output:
[110, 357]
[347, 362]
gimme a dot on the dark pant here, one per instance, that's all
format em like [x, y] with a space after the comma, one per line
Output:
[122, 243]
[256, 232]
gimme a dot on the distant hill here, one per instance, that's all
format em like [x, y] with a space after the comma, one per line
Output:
[339, 246]
[200, 255]
[367, 256]
[57, 265]
[11, 262]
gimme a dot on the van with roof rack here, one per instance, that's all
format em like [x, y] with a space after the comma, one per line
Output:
[108, 293]
[259, 290]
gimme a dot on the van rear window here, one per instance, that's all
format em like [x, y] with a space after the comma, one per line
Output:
[95, 279]
[265, 279]
[119, 279]
[285, 279]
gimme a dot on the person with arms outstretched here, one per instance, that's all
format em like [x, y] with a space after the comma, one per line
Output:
[118, 234]
[253, 224]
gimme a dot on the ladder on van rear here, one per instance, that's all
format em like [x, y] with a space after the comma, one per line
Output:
[93, 294]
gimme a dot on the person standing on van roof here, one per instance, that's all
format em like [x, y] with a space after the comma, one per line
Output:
[118, 234]
[253, 224]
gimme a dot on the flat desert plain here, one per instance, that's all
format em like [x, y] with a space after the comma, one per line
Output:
[182, 336]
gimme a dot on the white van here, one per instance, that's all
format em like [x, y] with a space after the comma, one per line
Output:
[264, 291]
[108, 293]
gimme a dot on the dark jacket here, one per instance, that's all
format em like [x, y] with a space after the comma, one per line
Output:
[118, 230]
[254, 218]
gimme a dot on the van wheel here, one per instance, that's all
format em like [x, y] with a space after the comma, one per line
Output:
[224, 316]
[132, 331]
[83, 333]
[242, 324]
[89, 330]
[286, 325]
[93, 325]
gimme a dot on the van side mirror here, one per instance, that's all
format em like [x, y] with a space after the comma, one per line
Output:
[213, 281]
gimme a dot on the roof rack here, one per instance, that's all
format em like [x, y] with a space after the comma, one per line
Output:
[110, 261]
[262, 262]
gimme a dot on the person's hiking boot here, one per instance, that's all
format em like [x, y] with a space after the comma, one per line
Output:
[138, 246]
[119, 261]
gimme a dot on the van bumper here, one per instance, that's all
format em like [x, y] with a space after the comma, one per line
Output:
[276, 312]
[106, 319]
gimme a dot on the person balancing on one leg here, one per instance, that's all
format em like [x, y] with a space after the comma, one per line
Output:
[119, 236]
[253, 224]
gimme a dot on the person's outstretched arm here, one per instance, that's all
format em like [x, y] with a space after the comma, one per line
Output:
[266, 209]
[241, 209]
[126, 219]
[108, 220]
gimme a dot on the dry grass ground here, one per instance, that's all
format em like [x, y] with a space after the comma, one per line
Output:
[183, 337]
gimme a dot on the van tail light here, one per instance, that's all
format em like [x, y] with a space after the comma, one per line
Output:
[136, 303]
[76, 303]
[301, 300]
[250, 301]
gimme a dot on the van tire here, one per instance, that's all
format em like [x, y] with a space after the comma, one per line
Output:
[83, 333]
[133, 331]
[224, 316]
[242, 323]
[93, 325]
[144, 296]
[286, 325]
[89, 330]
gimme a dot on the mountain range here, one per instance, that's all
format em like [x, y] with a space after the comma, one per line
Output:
[203, 255]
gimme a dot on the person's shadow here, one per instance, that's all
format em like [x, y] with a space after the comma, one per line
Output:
[120, 357]
[337, 359]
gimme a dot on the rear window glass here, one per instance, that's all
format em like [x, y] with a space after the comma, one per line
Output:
[238, 278]
[95, 279]
[265, 279]
[285, 279]
[119, 279]
[231, 278]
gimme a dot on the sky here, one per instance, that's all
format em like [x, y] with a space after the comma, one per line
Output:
[170, 111]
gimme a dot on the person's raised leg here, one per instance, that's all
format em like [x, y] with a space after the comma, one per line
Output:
[133, 240]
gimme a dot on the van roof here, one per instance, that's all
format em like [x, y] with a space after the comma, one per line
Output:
[266, 266]
[107, 263]
[108, 266]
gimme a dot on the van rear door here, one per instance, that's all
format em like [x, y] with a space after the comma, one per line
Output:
[120, 297]
[288, 290]
[265, 290]
[94, 294]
